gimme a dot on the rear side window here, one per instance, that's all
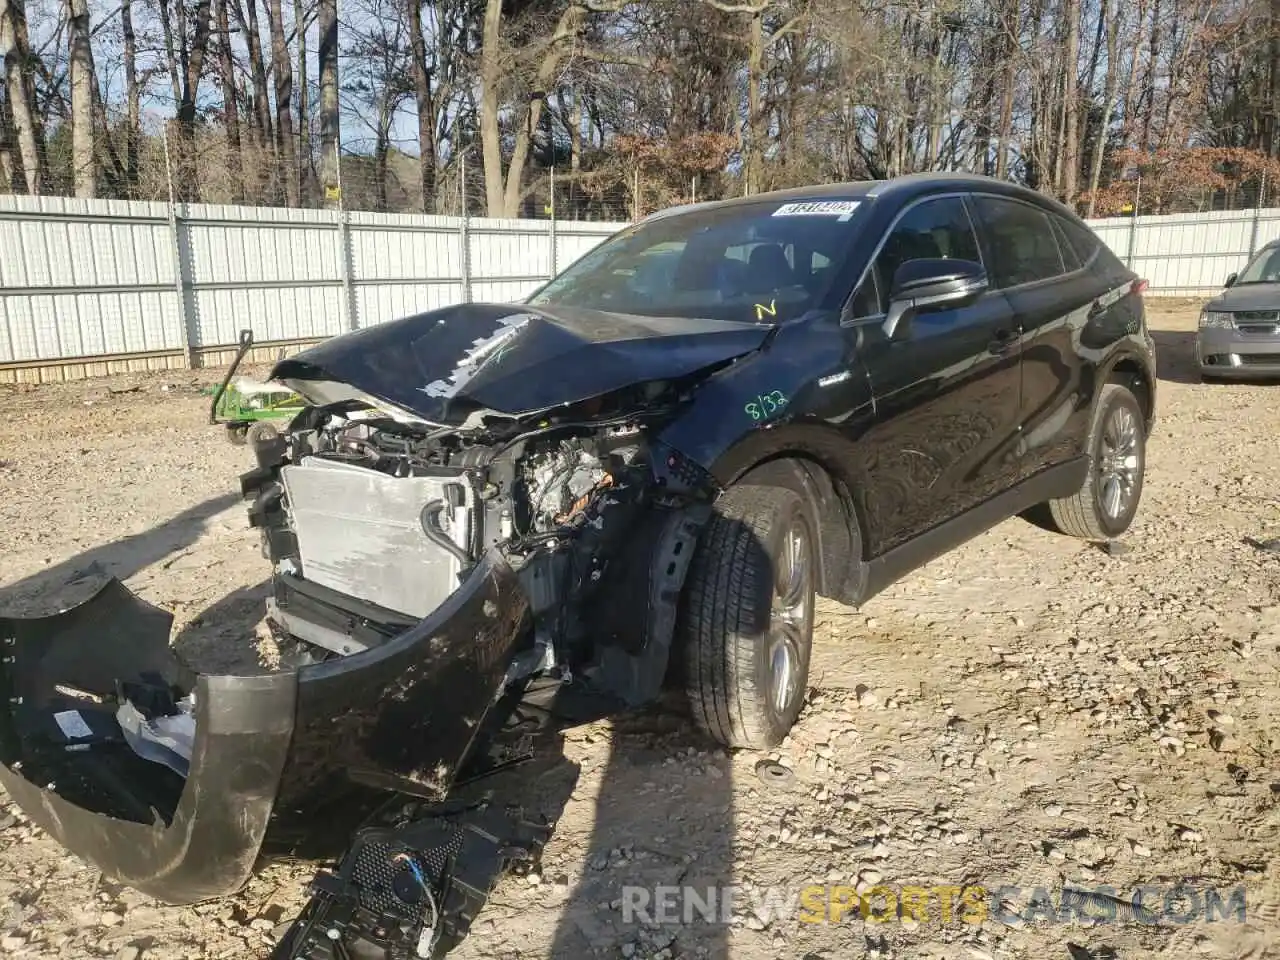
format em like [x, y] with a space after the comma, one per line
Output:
[1083, 241]
[1024, 248]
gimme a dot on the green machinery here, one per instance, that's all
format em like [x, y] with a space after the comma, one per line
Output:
[248, 409]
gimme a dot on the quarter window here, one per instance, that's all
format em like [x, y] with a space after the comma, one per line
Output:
[1022, 243]
[1083, 240]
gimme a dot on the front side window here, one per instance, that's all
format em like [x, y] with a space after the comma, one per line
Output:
[934, 230]
[763, 261]
[1023, 245]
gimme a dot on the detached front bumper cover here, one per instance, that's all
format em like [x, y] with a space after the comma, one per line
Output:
[271, 754]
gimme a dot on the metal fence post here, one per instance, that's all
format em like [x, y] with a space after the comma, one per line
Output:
[350, 315]
[551, 229]
[464, 239]
[187, 331]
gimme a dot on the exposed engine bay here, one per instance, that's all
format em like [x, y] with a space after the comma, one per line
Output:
[396, 515]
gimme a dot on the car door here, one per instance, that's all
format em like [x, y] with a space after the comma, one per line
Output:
[1054, 298]
[946, 392]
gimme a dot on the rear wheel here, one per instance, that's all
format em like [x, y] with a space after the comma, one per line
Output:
[1104, 507]
[746, 628]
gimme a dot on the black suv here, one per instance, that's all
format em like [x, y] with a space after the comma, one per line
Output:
[491, 517]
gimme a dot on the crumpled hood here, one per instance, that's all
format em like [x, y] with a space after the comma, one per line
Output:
[514, 359]
[1248, 296]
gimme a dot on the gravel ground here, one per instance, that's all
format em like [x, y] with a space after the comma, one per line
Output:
[1026, 711]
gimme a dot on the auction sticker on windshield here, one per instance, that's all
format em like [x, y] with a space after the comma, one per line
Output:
[841, 209]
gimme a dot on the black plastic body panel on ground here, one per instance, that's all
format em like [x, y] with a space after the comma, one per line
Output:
[271, 753]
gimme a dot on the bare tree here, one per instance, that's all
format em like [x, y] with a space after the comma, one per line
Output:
[426, 113]
[247, 18]
[80, 59]
[327, 54]
[304, 108]
[282, 71]
[20, 78]
[133, 93]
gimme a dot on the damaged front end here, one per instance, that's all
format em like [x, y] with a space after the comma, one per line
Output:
[456, 564]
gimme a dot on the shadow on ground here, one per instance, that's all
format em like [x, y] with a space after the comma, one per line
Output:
[78, 578]
[1176, 356]
[214, 640]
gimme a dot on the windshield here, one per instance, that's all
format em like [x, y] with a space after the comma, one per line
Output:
[767, 262]
[1264, 268]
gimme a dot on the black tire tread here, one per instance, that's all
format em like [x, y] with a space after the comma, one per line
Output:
[1077, 515]
[721, 595]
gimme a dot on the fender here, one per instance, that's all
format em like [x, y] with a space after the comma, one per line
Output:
[797, 406]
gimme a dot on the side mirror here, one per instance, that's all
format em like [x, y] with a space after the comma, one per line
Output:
[1231, 279]
[930, 285]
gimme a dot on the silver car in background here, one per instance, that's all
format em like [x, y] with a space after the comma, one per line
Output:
[1239, 335]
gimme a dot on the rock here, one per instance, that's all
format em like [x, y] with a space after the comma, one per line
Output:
[1053, 809]
[110, 919]
[127, 953]
[880, 775]
[1138, 849]
[1187, 835]
[867, 697]
[12, 942]
[1223, 743]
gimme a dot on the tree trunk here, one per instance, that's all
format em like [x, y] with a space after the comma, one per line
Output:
[282, 71]
[1009, 18]
[327, 54]
[1149, 84]
[20, 79]
[1112, 82]
[80, 58]
[1071, 113]
[1129, 106]
[133, 95]
[1273, 99]
[248, 20]
[187, 187]
[170, 51]
[490, 133]
[304, 108]
[230, 108]
[503, 198]
[9, 175]
[755, 114]
[426, 112]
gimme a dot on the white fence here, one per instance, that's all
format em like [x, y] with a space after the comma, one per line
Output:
[90, 287]
[1189, 254]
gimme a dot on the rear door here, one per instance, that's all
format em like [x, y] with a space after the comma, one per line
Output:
[1056, 296]
[947, 395]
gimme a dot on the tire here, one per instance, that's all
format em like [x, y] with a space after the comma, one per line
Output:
[261, 432]
[237, 433]
[745, 664]
[1105, 505]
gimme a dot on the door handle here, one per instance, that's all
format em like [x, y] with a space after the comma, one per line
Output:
[1002, 340]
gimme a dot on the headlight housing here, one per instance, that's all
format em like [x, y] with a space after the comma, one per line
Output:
[1215, 320]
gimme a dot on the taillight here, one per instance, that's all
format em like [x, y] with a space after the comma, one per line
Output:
[1138, 286]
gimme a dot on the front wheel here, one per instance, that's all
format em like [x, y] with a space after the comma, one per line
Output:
[746, 627]
[1104, 507]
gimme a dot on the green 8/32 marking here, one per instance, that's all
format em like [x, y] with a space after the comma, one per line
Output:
[765, 405]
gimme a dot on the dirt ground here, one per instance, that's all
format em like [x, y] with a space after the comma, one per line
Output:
[1027, 711]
